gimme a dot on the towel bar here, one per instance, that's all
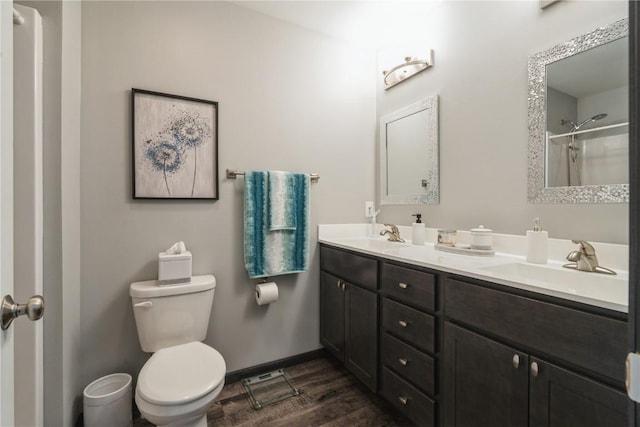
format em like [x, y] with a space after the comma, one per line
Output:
[233, 174]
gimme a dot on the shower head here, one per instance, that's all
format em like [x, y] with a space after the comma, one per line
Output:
[584, 122]
[590, 119]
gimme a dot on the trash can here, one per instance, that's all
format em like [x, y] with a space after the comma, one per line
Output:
[107, 402]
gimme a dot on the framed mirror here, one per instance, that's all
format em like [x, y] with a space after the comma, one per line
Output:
[409, 158]
[578, 119]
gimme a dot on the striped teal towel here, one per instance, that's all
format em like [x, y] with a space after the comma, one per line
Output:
[282, 200]
[279, 251]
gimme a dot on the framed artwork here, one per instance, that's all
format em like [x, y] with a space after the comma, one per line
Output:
[175, 146]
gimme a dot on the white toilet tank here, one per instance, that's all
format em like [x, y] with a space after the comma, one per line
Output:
[172, 315]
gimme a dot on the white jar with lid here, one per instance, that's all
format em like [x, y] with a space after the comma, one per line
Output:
[481, 238]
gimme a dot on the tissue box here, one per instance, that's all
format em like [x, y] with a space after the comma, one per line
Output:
[174, 268]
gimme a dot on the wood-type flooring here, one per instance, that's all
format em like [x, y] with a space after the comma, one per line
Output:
[331, 397]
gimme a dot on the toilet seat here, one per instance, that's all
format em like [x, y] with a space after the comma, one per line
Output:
[181, 374]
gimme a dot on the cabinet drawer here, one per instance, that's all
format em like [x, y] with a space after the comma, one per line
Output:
[407, 399]
[353, 268]
[409, 324]
[594, 342]
[410, 286]
[409, 363]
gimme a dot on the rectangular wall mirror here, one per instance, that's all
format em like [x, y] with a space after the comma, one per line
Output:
[579, 120]
[409, 164]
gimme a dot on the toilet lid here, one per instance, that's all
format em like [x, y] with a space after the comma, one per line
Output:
[180, 374]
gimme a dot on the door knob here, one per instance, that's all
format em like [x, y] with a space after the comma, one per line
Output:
[34, 309]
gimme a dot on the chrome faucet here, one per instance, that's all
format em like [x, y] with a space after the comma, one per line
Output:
[394, 233]
[585, 259]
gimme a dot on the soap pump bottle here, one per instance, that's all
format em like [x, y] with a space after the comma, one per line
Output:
[417, 231]
[537, 244]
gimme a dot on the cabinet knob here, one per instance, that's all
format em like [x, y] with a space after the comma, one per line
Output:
[516, 361]
[403, 400]
[403, 285]
[402, 323]
[534, 369]
[403, 362]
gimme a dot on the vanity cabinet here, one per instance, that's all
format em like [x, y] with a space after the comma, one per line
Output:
[502, 357]
[349, 312]
[448, 350]
[408, 349]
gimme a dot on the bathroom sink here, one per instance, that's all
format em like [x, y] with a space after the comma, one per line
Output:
[373, 243]
[590, 286]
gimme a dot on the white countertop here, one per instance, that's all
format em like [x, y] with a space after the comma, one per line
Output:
[507, 267]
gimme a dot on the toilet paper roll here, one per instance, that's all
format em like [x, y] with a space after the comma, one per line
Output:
[266, 293]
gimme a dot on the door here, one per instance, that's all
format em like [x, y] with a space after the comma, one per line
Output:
[560, 398]
[332, 314]
[361, 334]
[485, 382]
[28, 210]
[6, 205]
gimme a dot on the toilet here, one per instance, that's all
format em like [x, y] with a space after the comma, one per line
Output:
[182, 378]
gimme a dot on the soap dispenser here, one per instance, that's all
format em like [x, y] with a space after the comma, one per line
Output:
[537, 244]
[417, 231]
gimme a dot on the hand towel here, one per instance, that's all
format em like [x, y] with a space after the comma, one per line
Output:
[281, 251]
[282, 200]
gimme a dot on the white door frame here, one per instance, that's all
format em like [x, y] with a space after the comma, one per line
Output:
[6, 205]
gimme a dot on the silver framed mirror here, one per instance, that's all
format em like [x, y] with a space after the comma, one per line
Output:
[409, 156]
[576, 151]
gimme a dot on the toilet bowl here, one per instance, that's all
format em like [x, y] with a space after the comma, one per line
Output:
[182, 378]
[178, 384]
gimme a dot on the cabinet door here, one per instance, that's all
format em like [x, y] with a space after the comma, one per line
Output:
[561, 398]
[485, 382]
[332, 314]
[361, 334]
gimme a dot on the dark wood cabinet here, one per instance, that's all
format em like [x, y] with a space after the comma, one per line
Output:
[349, 319]
[592, 341]
[485, 382]
[332, 314]
[361, 334]
[408, 350]
[560, 398]
[456, 351]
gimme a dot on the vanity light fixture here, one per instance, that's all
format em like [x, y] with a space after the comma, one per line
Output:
[410, 68]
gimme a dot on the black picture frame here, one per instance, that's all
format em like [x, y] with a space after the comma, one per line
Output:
[174, 146]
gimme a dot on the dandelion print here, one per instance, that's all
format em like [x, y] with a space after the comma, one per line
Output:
[175, 146]
[166, 158]
[190, 131]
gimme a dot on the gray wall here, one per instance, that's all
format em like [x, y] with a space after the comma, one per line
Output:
[481, 51]
[289, 99]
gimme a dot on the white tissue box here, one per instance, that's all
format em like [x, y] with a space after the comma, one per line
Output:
[174, 268]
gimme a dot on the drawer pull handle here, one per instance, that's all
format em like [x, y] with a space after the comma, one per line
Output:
[339, 284]
[516, 361]
[403, 285]
[403, 400]
[534, 369]
[402, 323]
[403, 362]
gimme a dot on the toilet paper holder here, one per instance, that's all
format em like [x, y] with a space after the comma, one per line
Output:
[268, 294]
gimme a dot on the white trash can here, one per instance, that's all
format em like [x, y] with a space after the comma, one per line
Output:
[107, 402]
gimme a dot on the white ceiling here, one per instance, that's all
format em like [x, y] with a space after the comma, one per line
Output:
[366, 23]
